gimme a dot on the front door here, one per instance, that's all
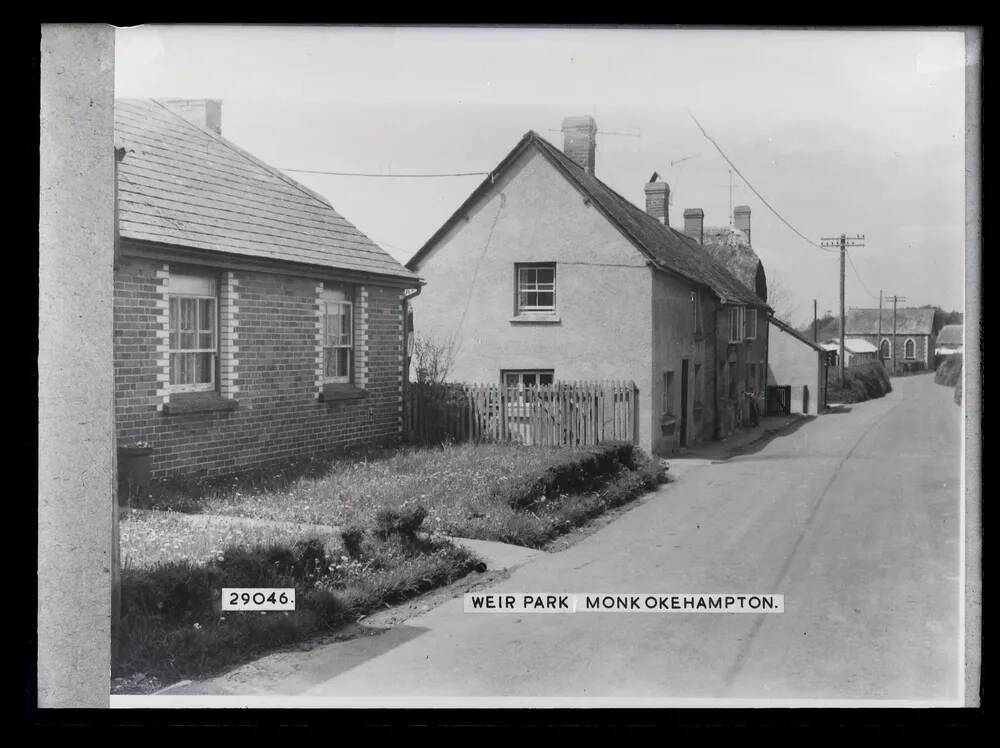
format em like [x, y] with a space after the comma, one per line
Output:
[684, 402]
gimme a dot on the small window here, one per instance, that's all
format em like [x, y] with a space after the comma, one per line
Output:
[909, 349]
[338, 337]
[536, 288]
[751, 324]
[193, 343]
[527, 378]
[736, 323]
[885, 349]
[667, 405]
[696, 312]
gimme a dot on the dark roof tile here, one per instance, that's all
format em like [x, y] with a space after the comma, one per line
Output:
[183, 185]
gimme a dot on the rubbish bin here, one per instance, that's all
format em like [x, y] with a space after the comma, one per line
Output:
[134, 467]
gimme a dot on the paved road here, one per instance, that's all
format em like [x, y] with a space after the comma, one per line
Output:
[854, 518]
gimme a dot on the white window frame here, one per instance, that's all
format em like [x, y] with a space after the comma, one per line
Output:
[520, 376]
[736, 328]
[535, 287]
[751, 326]
[906, 356]
[177, 279]
[331, 297]
[887, 342]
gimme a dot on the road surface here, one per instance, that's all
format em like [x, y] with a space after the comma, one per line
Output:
[854, 518]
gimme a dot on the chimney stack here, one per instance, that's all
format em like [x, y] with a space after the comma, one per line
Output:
[694, 224]
[658, 200]
[206, 113]
[741, 217]
[580, 141]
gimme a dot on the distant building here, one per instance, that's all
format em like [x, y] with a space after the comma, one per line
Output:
[949, 340]
[856, 351]
[914, 330]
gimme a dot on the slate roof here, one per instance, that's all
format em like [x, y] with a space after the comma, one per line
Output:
[183, 185]
[854, 345]
[665, 246]
[909, 321]
[950, 335]
[794, 333]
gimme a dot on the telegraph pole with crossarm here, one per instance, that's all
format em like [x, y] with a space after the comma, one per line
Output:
[843, 241]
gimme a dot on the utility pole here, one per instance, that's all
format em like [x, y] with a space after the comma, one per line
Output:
[878, 338]
[895, 300]
[843, 241]
[814, 322]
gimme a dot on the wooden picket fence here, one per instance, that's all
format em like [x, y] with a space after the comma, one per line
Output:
[560, 414]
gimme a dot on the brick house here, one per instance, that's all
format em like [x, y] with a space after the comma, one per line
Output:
[252, 322]
[913, 345]
[547, 274]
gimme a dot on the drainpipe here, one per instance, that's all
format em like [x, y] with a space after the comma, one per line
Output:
[407, 298]
[716, 435]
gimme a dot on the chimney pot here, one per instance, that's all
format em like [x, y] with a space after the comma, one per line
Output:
[694, 224]
[741, 219]
[580, 141]
[205, 113]
[658, 201]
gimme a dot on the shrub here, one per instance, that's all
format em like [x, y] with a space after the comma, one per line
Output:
[588, 472]
[862, 382]
[399, 522]
[352, 537]
[949, 372]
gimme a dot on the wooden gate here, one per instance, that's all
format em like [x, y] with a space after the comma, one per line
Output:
[561, 414]
[779, 400]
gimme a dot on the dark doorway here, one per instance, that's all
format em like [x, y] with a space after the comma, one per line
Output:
[684, 402]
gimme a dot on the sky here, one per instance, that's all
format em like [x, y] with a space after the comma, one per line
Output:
[854, 131]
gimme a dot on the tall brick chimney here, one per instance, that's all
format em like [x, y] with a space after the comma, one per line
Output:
[741, 217]
[204, 112]
[580, 141]
[658, 200]
[694, 224]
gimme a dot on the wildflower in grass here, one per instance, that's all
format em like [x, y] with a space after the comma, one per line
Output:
[197, 627]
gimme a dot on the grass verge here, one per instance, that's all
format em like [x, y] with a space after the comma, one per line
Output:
[504, 492]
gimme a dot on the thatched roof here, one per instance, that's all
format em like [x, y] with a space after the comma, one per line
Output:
[950, 335]
[731, 247]
[909, 321]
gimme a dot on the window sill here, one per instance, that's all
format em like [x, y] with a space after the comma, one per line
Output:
[198, 402]
[338, 391]
[535, 317]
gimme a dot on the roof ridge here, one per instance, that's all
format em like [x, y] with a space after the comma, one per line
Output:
[653, 222]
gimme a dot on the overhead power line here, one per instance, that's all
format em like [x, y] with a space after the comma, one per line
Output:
[858, 276]
[752, 188]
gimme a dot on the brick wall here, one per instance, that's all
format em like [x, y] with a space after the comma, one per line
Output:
[270, 360]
